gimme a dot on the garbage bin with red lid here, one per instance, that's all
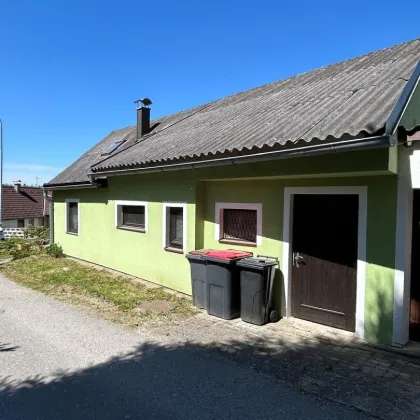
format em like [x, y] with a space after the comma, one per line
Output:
[197, 262]
[223, 283]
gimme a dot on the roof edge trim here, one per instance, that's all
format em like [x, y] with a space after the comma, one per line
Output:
[401, 105]
[51, 187]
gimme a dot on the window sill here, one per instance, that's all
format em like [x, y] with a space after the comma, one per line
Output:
[72, 233]
[233, 242]
[175, 250]
[132, 229]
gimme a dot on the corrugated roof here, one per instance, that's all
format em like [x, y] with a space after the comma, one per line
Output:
[344, 100]
[27, 204]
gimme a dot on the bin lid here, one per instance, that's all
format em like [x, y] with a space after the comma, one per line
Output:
[200, 251]
[194, 257]
[228, 254]
[258, 262]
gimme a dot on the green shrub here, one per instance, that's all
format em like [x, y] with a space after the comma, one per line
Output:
[55, 250]
[38, 233]
[23, 249]
[9, 244]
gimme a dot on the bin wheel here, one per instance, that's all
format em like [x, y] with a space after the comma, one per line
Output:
[274, 316]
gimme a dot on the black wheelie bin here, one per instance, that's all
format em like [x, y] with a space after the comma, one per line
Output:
[197, 262]
[223, 285]
[257, 283]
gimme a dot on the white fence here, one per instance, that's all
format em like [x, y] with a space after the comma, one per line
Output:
[14, 232]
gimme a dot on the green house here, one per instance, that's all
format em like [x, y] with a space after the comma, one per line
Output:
[319, 170]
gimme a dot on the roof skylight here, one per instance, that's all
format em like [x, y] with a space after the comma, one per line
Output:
[114, 146]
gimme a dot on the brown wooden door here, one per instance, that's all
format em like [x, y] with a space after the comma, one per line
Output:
[415, 271]
[325, 259]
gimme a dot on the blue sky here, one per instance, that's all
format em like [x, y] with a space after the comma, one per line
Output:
[70, 70]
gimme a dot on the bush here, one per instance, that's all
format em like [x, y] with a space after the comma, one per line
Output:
[23, 249]
[37, 233]
[55, 250]
[9, 244]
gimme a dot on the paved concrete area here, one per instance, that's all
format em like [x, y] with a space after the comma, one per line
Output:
[319, 360]
[57, 362]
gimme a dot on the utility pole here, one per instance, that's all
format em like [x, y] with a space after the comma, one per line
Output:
[37, 181]
[1, 172]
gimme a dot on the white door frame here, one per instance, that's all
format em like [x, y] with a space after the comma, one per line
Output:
[361, 192]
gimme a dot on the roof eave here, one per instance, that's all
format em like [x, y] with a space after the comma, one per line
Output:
[373, 142]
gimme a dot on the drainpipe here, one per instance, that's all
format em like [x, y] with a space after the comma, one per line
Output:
[51, 219]
[367, 143]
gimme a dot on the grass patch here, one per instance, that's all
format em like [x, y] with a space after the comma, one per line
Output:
[4, 254]
[115, 297]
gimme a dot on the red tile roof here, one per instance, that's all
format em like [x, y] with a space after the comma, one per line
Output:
[29, 203]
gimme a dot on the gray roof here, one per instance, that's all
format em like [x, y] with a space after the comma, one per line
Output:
[350, 99]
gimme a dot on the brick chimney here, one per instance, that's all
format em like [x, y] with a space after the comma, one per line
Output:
[17, 185]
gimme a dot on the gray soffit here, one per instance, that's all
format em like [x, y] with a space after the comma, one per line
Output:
[351, 99]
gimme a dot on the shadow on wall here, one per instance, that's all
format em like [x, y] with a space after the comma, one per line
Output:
[204, 382]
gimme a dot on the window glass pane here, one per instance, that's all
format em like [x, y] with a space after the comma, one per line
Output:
[176, 227]
[114, 146]
[133, 216]
[20, 223]
[73, 222]
[240, 225]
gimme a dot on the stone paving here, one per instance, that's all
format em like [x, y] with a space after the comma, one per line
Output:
[319, 360]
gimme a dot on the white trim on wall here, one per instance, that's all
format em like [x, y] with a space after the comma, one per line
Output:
[133, 203]
[218, 234]
[407, 173]
[165, 225]
[72, 200]
[289, 192]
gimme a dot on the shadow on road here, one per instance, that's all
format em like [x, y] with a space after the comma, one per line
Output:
[197, 382]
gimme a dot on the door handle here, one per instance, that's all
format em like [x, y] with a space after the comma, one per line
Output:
[298, 259]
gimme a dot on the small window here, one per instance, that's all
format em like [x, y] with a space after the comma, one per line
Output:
[72, 222]
[114, 146]
[21, 223]
[176, 239]
[174, 229]
[240, 225]
[131, 216]
[31, 222]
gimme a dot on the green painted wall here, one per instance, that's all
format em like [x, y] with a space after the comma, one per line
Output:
[138, 254]
[142, 254]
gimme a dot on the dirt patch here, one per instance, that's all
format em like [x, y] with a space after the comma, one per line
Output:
[156, 306]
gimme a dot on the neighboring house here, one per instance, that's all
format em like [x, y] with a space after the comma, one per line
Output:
[317, 169]
[23, 207]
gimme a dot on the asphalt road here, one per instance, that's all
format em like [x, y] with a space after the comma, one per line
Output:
[57, 362]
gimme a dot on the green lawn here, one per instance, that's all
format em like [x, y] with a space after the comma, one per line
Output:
[116, 297]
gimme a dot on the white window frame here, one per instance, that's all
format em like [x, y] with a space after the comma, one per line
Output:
[219, 207]
[165, 225]
[132, 203]
[66, 219]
